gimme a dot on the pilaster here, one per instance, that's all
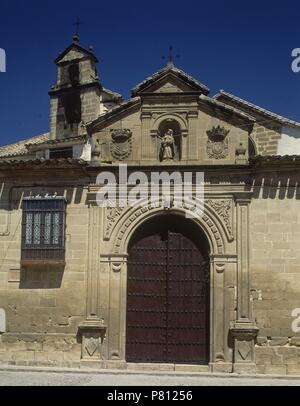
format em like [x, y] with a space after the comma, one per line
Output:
[221, 356]
[116, 333]
[92, 331]
[192, 140]
[148, 142]
[244, 330]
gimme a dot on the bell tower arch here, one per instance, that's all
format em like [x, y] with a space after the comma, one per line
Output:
[76, 96]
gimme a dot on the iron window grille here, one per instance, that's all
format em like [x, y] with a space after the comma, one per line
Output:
[43, 228]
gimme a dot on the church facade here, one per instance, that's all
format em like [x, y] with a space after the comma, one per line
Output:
[155, 285]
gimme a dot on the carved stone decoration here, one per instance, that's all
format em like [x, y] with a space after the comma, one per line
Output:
[121, 145]
[92, 333]
[217, 144]
[92, 344]
[244, 349]
[113, 213]
[220, 357]
[224, 209]
[189, 208]
[240, 155]
[116, 266]
[244, 333]
[220, 268]
[97, 149]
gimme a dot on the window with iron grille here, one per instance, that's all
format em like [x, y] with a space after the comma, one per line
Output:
[43, 228]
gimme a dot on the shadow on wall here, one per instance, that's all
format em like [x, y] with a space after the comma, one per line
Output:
[45, 278]
[281, 187]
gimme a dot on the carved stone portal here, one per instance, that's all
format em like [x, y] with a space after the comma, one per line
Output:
[224, 209]
[121, 145]
[112, 216]
[217, 144]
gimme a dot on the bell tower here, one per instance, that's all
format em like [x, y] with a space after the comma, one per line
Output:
[75, 98]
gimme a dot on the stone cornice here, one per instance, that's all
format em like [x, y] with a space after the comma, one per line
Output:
[63, 90]
[225, 96]
[52, 143]
[170, 70]
[227, 108]
[272, 160]
[102, 120]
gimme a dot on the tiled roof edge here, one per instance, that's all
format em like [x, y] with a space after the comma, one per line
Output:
[260, 110]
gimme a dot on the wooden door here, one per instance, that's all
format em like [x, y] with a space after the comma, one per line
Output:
[168, 298]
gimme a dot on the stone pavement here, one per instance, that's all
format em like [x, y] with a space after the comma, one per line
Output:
[16, 376]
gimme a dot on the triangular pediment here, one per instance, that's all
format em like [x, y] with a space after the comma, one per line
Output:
[169, 84]
[74, 52]
[170, 80]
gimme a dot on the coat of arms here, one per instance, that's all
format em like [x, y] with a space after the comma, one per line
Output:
[217, 144]
[121, 145]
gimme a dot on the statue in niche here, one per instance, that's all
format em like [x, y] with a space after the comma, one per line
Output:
[167, 149]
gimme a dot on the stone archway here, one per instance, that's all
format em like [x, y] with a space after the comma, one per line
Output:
[182, 122]
[120, 228]
[122, 223]
[225, 222]
[167, 318]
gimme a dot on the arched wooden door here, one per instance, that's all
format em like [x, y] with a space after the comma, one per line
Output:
[168, 294]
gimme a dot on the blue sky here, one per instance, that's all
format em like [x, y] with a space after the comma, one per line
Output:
[241, 47]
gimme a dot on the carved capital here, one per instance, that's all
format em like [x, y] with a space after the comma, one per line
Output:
[116, 266]
[115, 262]
[243, 198]
[220, 268]
[193, 114]
[147, 115]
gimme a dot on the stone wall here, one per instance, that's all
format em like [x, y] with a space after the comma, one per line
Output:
[275, 273]
[278, 355]
[195, 144]
[266, 137]
[90, 101]
[43, 305]
[62, 350]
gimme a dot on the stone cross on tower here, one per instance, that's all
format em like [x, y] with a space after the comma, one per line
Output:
[77, 24]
